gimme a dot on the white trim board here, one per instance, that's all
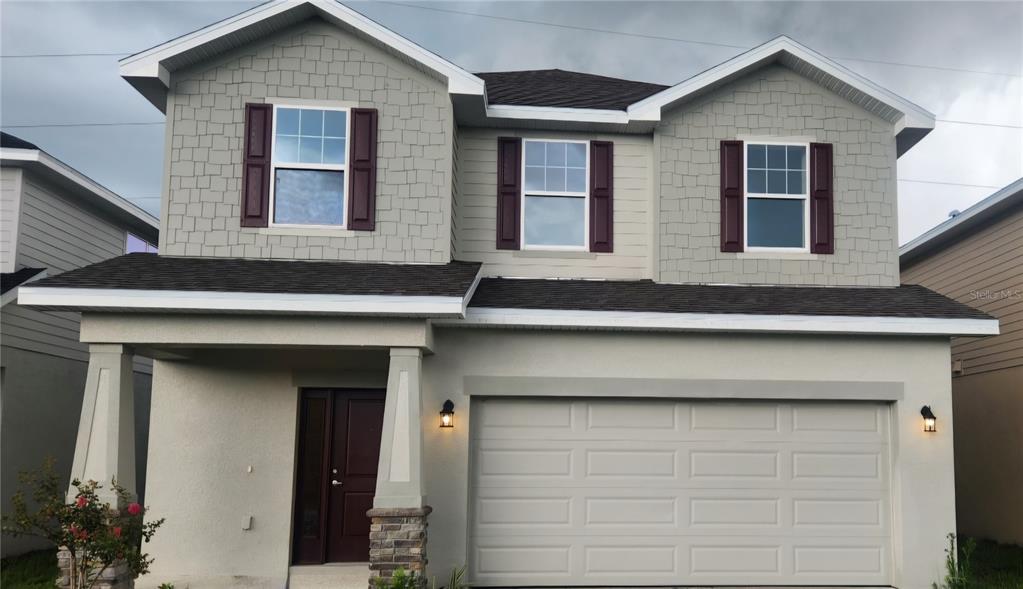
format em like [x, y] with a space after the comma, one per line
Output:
[229, 302]
[12, 295]
[209, 40]
[32, 158]
[720, 322]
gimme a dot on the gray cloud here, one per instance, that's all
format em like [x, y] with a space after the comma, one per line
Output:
[964, 35]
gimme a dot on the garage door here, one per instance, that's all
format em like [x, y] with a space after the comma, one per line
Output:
[662, 492]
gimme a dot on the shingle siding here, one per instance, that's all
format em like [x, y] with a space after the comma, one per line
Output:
[314, 62]
[10, 203]
[777, 102]
[476, 222]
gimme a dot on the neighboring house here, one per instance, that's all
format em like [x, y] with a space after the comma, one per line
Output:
[974, 257]
[668, 320]
[52, 220]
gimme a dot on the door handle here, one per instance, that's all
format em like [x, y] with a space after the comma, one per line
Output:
[336, 483]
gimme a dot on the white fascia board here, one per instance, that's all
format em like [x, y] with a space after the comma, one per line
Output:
[147, 64]
[12, 295]
[649, 109]
[721, 322]
[52, 165]
[229, 302]
[1010, 191]
[552, 113]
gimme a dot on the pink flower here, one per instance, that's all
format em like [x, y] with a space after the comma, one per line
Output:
[116, 531]
[134, 509]
[82, 502]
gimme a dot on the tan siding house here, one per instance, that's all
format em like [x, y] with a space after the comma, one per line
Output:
[975, 258]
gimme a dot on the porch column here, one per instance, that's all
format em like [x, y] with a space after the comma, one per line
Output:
[105, 449]
[397, 537]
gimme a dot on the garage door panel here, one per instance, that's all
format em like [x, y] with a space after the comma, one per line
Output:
[712, 493]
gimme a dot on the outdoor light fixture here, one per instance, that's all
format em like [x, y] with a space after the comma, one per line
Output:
[447, 414]
[930, 421]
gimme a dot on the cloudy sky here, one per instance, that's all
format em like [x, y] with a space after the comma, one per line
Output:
[962, 61]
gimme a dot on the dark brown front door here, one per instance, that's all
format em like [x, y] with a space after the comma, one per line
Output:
[338, 448]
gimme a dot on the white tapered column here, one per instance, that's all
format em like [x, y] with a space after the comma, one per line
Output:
[400, 472]
[105, 449]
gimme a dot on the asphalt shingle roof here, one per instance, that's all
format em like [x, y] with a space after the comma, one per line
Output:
[9, 280]
[154, 272]
[648, 296]
[8, 140]
[565, 89]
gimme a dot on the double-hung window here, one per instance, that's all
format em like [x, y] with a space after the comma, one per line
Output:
[308, 166]
[135, 244]
[777, 207]
[555, 194]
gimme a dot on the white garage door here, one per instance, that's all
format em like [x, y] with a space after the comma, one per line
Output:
[652, 492]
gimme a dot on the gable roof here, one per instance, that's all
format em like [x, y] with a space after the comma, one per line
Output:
[18, 153]
[965, 223]
[149, 71]
[566, 89]
[566, 100]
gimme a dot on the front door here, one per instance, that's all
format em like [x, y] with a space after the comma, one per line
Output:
[338, 447]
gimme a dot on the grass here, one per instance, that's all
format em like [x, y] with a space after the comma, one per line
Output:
[34, 570]
[997, 566]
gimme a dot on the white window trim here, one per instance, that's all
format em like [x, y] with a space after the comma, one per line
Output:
[300, 166]
[585, 195]
[805, 197]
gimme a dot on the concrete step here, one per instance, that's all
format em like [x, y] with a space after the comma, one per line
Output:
[334, 575]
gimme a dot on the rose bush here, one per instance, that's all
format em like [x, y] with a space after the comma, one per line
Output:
[96, 535]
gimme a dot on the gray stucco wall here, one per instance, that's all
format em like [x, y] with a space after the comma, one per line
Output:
[313, 64]
[776, 103]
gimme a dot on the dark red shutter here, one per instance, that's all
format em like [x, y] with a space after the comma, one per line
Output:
[601, 196]
[256, 165]
[509, 191]
[362, 170]
[822, 199]
[731, 196]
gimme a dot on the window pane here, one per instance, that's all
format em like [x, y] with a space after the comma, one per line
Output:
[774, 222]
[309, 197]
[757, 181]
[535, 154]
[135, 245]
[334, 123]
[757, 156]
[287, 121]
[797, 157]
[556, 179]
[576, 155]
[556, 154]
[286, 149]
[796, 183]
[312, 123]
[775, 181]
[333, 151]
[534, 178]
[310, 150]
[554, 220]
[776, 157]
[575, 180]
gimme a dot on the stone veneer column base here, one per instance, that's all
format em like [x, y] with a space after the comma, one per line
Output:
[397, 539]
[115, 577]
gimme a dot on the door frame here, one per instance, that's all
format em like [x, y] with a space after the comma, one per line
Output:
[329, 394]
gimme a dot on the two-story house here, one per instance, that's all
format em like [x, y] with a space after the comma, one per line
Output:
[594, 332]
[53, 219]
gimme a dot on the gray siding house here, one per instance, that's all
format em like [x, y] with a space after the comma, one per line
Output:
[53, 220]
[564, 329]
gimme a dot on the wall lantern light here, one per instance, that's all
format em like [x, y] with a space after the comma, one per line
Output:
[447, 414]
[930, 421]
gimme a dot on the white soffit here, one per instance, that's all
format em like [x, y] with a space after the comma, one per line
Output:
[720, 322]
[149, 71]
[62, 174]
